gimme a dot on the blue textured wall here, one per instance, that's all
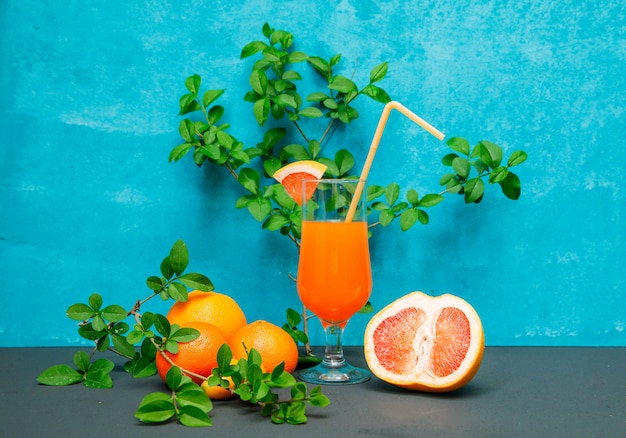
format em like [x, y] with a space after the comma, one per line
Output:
[89, 202]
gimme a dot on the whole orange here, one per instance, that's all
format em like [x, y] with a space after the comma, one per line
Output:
[272, 342]
[198, 356]
[212, 307]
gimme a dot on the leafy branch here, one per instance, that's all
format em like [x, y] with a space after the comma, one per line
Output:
[274, 94]
[153, 334]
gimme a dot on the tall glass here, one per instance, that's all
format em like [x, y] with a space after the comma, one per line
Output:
[334, 272]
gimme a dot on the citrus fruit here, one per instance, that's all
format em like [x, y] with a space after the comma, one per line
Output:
[212, 307]
[291, 176]
[273, 343]
[217, 392]
[425, 343]
[198, 356]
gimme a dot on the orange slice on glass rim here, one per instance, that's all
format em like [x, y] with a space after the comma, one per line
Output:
[425, 343]
[291, 176]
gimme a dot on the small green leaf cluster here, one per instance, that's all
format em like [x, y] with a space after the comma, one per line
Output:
[107, 328]
[93, 375]
[409, 211]
[471, 165]
[273, 82]
[187, 402]
[251, 384]
[166, 338]
[294, 319]
[174, 283]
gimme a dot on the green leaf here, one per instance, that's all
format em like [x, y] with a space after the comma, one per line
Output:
[298, 391]
[162, 325]
[320, 65]
[511, 186]
[261, 110]
[193, 83]
[311, 112]
[258, 82]
[293, 317]
[490, 153]
[184, 334]
[194, 396]
[260, 208]
[385, 217]
[422, 216]
[379, 72]
[250, 179]
[376, 93]
[391, 193]
[252, 48]
[317, 398]
[297, 151]
[215, 114]
[295, 57]
[95, 301]
[193, 416]
[155, 283]
[153, 410]
[196, 281]
[459, 144]
[286, 100]
[187, 130]
[174, 377]
[166, 268]
[430, 200]
[341, 84]
[97, 375]
[60, 375]
[211, 96]
[461, 166]
[408, 219]
[179, 152]
[318, 96]
[498, 174]
[177, 291]
[79, 312]
[282, 379]
[275, 222]
[88, 332]
[122, 345]
[98, 323]
[367, 308]
[516, 158]
[344, 160]
[413, 197]
[114, 313]
[474, 190]
[179, 257]
[104, 365]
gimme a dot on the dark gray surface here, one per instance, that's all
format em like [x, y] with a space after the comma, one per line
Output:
[519, 391]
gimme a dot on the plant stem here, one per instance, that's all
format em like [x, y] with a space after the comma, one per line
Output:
[305, 328]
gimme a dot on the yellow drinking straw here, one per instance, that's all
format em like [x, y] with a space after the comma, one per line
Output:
[376, 140]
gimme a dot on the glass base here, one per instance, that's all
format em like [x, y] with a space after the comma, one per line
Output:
[328, 374]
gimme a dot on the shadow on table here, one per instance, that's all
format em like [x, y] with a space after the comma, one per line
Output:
[471, 390]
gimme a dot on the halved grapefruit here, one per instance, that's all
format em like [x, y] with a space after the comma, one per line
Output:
[291, 176]
[425, 343]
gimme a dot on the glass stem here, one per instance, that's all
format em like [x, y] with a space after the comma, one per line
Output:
[333, 356]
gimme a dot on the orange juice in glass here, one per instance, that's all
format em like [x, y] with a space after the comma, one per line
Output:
[334, 272]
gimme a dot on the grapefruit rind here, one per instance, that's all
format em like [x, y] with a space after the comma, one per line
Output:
[410, 365]
[310, 167]
[291, 176]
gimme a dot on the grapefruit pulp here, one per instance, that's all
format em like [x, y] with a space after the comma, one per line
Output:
[291, 176]
[425, 343]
